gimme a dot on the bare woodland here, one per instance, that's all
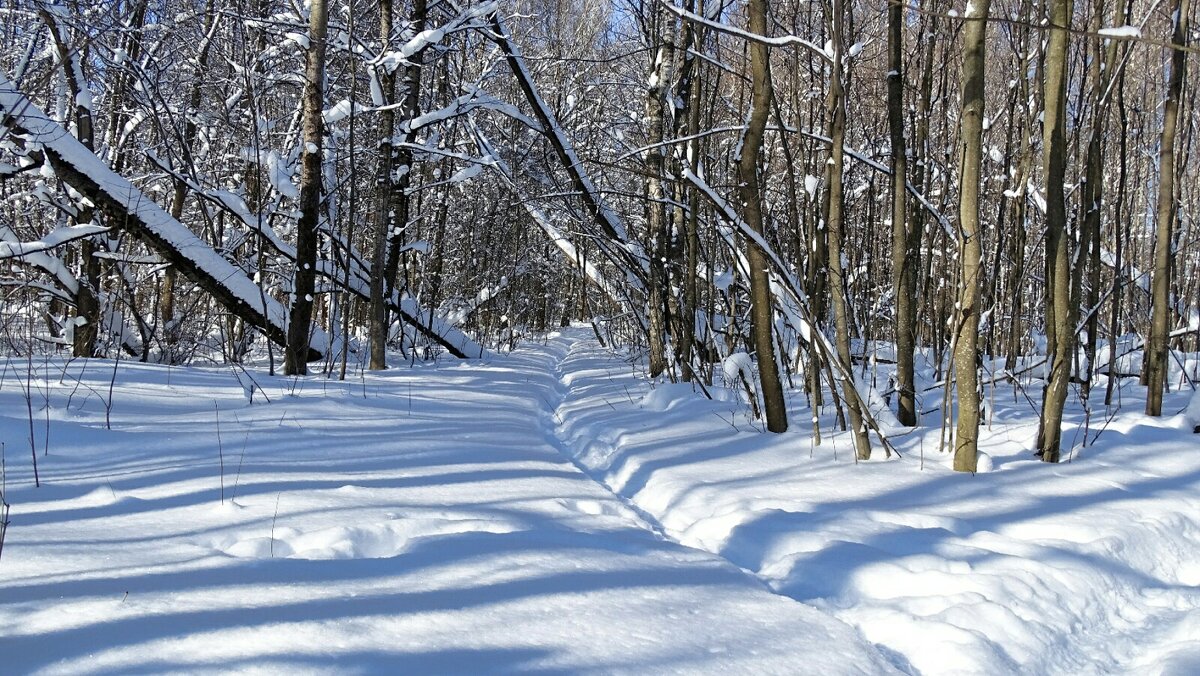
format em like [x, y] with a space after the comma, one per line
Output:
[994, 198]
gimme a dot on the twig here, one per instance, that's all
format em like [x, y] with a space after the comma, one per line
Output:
[220, 450]
[111, 384]
[273, 519]
[238, 477]
[4, 506]
[29, 408]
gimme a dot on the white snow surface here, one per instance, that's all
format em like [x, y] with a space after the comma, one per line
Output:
[1090, 566]
[1132, 32]
[428, 521]
[552, 511]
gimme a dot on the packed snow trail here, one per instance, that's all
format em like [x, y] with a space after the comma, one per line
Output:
[422, 520]
[1086, 567]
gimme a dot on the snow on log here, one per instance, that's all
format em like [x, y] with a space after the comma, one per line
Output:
[438, 329]
[135, 212]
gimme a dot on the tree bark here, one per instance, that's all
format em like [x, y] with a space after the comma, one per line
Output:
[906, 238]
[384, 217]
[1156, 356]
[833, 221]
[966, 342]
[1060, 319]
[86, 332]
[762, 313]
[403, 167]
[657, 225]
[304, 285]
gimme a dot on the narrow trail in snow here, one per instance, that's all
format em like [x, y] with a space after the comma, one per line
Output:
[555, 437]
[1086, 568]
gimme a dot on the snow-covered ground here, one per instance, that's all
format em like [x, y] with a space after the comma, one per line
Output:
[552, 511]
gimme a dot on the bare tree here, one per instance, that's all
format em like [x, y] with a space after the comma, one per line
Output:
[304, 284]
[966, 341]
[906, 237]
[762, 314]
[1060, 314]
[1160, 293]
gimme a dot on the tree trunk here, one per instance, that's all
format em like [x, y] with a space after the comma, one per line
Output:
[1103, 61]
[86, 332]
[1060, 315]
[384, 217]
[762, 314]
[1156, 357]
[906, 239]
[300, 318]
[833, 220]
[687, 219]
[657, 225]
[966, 342]
[401, 200]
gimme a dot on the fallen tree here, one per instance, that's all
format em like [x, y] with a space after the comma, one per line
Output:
[139, 215]
[134, 212]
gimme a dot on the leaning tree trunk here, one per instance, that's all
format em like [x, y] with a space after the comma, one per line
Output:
[761, 310]
[966, 343]
[1156, 363]
[300, 319]
[1060, 315]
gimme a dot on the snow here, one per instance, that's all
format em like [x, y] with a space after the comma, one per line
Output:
[426, 38]
[784, 41]
[466, 173]
[1082, 567]
[554, 510]
[737, 366]
[61, 235]
[299, 39]
[811, 183]
[340, 111]
[1127, 32]
[433, 525]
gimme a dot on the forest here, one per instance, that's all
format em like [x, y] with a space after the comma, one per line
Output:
[958, 234]
[987, 192]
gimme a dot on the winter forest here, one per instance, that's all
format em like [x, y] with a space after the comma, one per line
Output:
[565, 336]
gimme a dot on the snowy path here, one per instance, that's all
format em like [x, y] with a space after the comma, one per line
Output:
[1087, 567]
[425, 520]
[552, 511]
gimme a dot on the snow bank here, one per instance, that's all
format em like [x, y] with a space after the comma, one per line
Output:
[1084, 567]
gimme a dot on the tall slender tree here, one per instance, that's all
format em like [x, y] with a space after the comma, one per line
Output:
[1060, 313]
[906, 238]
[834, 221]
[966, 342]
[384, 207]
[762, 314]
[304, 280]
[1160, 284]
